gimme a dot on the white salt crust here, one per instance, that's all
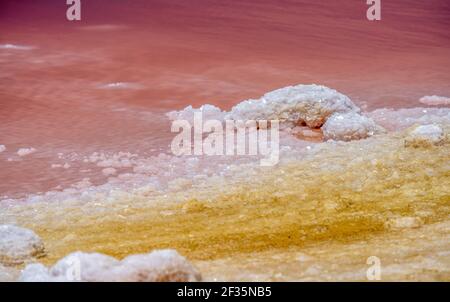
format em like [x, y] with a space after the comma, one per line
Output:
[434, 100]
[309, 104]
[157, 266]
[18, 245]
[349, 126]
[25, 151]
[425, 135]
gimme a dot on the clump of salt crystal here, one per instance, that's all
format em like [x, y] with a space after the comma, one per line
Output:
[18, 245]
[308, 104]
[25, 151]
[2, 148]
[434, 100]
[425, 136]
[209, 112]
[159, 265]
[349, 126]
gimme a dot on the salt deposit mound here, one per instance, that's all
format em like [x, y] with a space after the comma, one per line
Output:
[349, 126]
[310, 105]
[18, 245]
[157, 266]
[425, 136]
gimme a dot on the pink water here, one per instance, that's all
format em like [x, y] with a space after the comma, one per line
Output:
[57, 91]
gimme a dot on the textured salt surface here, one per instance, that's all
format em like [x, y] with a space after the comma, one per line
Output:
[308, 104]
[18, 245]
[425, 135]
[349, 126]
[435, 100]
[161, 265]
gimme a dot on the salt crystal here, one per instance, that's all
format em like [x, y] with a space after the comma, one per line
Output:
[25, 151]
[18, 245]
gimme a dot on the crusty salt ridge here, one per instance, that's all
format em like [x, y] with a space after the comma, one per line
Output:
[18, 245]
[157, 266]
[434, 100]
[425, 135]
[395, 120]
[349, 126]
[309, 104]
[208, 112]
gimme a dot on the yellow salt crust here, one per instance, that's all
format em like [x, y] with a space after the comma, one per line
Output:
[338, 198]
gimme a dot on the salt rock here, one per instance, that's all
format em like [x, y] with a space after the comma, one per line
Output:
[25, 151]
[349, 126]
[18, 245]
[157, 266]
[308, 104]
[209, 112]
[2, 148]
[425, 136]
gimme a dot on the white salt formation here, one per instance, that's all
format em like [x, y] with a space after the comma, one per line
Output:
[208, 112]
[293, 106]
[157, 266]
[424, 136]
[308, 104]
[18, 245]
[25, 151]
[2, 148]
[349, 126]
[434, 100]
[395, 120]
[15, 47]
